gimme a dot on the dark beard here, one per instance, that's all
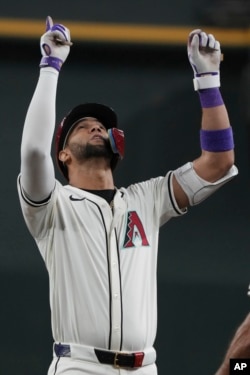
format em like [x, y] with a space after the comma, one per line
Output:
[89, 151]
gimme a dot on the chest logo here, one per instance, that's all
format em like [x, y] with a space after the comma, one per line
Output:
[135, 234]
[76, 199]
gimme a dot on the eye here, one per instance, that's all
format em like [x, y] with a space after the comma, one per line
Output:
[81, 126]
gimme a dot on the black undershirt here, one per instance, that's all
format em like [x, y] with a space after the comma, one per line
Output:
[107, 194]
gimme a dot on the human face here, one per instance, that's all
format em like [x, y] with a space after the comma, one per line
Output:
[88, 139]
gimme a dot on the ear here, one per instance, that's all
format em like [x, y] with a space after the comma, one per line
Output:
[64, 156]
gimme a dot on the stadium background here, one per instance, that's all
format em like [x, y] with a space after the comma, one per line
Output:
[132, 56]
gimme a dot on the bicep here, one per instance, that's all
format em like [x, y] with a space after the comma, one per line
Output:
[37, 177]
[180, 196]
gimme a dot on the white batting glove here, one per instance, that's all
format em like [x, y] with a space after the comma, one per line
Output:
[55, 45]
[204, 55]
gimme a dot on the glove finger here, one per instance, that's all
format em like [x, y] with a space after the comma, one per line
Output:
[217, 45]
[203, 39]
[195, 41]
[211, 41]
[60, 31]
[59, 27]
[191, 35]
[193, 52]
[57, 36]
[49, 23]
[196, 31]
[194, 46]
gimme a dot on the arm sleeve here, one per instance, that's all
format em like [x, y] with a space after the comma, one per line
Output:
[37, 170]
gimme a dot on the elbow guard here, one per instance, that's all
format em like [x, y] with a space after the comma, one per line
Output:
[195, 187]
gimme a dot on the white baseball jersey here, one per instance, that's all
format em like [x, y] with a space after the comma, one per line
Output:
[102, 261]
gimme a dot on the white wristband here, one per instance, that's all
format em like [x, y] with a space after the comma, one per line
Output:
[206, 82]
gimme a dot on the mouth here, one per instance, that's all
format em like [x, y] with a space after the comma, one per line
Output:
[98, 138]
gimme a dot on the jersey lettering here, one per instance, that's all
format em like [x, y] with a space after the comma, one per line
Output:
[135, 234]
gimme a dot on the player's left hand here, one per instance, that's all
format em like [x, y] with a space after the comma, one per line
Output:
[204, 53]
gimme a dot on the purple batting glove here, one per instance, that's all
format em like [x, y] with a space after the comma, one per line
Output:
[55, 45]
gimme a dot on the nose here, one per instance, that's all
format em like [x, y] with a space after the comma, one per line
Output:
[96, 127]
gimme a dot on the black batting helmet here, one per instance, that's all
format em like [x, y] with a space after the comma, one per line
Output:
[102, 113]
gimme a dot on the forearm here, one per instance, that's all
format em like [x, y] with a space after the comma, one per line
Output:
[215, 118]
[37, 171]
[216, 134]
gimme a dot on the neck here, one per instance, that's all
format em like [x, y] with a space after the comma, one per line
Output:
[92, 178]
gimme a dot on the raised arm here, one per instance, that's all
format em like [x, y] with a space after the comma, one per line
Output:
[215, 166]
[37, 171]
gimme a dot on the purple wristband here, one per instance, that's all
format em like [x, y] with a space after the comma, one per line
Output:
[54, 62]
[210, 97]
[217, 140]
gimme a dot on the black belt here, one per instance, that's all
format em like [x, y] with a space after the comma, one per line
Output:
[117, 359]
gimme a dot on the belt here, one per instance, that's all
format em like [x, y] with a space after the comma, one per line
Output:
[117, 359]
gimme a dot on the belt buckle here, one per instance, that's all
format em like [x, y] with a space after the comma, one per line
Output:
[138, 358]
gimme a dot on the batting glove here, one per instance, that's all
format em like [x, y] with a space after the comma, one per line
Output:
[55, 45]
[204, 55]
[117, 141]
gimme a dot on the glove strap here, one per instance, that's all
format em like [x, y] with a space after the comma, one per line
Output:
[206, 81]
[51, 61]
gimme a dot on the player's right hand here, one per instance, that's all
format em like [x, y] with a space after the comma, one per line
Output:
[55, 43]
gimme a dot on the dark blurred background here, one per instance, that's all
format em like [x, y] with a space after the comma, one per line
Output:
[204, 257]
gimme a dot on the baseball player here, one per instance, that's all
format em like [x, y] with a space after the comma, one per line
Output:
[238, 348]
[99, 243]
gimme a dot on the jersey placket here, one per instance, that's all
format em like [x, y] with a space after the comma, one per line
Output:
[116, 314]
[115, 276]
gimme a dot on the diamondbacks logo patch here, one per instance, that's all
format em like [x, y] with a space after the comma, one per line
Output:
[135, 234]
